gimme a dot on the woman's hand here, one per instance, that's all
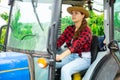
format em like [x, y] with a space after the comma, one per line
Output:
[62, 55]
[58, 57]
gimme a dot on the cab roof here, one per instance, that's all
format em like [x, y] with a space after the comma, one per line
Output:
[75, 2]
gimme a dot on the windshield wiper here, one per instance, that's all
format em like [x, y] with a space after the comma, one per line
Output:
[27, 36]
[34, 8]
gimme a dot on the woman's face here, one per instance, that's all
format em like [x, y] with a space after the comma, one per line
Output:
[77, 16]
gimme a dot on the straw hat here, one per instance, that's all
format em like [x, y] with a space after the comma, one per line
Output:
[78, 8]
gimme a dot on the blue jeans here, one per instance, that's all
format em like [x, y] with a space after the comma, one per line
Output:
[72, 64]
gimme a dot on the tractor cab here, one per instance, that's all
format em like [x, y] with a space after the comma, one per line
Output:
[29, 47]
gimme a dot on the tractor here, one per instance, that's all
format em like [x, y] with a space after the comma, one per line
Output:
[29, 47]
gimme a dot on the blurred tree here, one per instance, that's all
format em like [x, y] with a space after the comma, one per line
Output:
[95, 22]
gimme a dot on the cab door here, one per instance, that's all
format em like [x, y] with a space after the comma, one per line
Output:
[31, 30]
[114, 44]
[106, 65]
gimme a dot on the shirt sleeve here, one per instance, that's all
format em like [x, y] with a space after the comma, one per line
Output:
[78, 44]
[62, 38]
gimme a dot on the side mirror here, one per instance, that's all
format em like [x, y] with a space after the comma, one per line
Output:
[113, 46]
[114, 49]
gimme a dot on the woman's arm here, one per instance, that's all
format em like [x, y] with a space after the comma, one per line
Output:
[62, 55]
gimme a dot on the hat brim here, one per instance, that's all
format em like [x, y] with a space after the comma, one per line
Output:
[80, 9]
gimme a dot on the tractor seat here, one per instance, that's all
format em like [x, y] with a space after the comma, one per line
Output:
[93, 50]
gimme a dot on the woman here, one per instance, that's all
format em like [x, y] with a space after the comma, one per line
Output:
[78, 38]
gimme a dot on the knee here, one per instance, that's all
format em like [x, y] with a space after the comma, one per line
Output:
[66, 70]
[63, 69]
[65, 73]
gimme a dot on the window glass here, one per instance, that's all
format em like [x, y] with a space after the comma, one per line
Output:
[117, 20]
[29, 25]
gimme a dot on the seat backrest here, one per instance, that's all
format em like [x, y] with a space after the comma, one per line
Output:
[94, 48]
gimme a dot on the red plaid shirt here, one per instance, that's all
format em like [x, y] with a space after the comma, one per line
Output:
[82, 44]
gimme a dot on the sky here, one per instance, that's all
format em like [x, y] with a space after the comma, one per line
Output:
[3, 8]
[41, 10]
